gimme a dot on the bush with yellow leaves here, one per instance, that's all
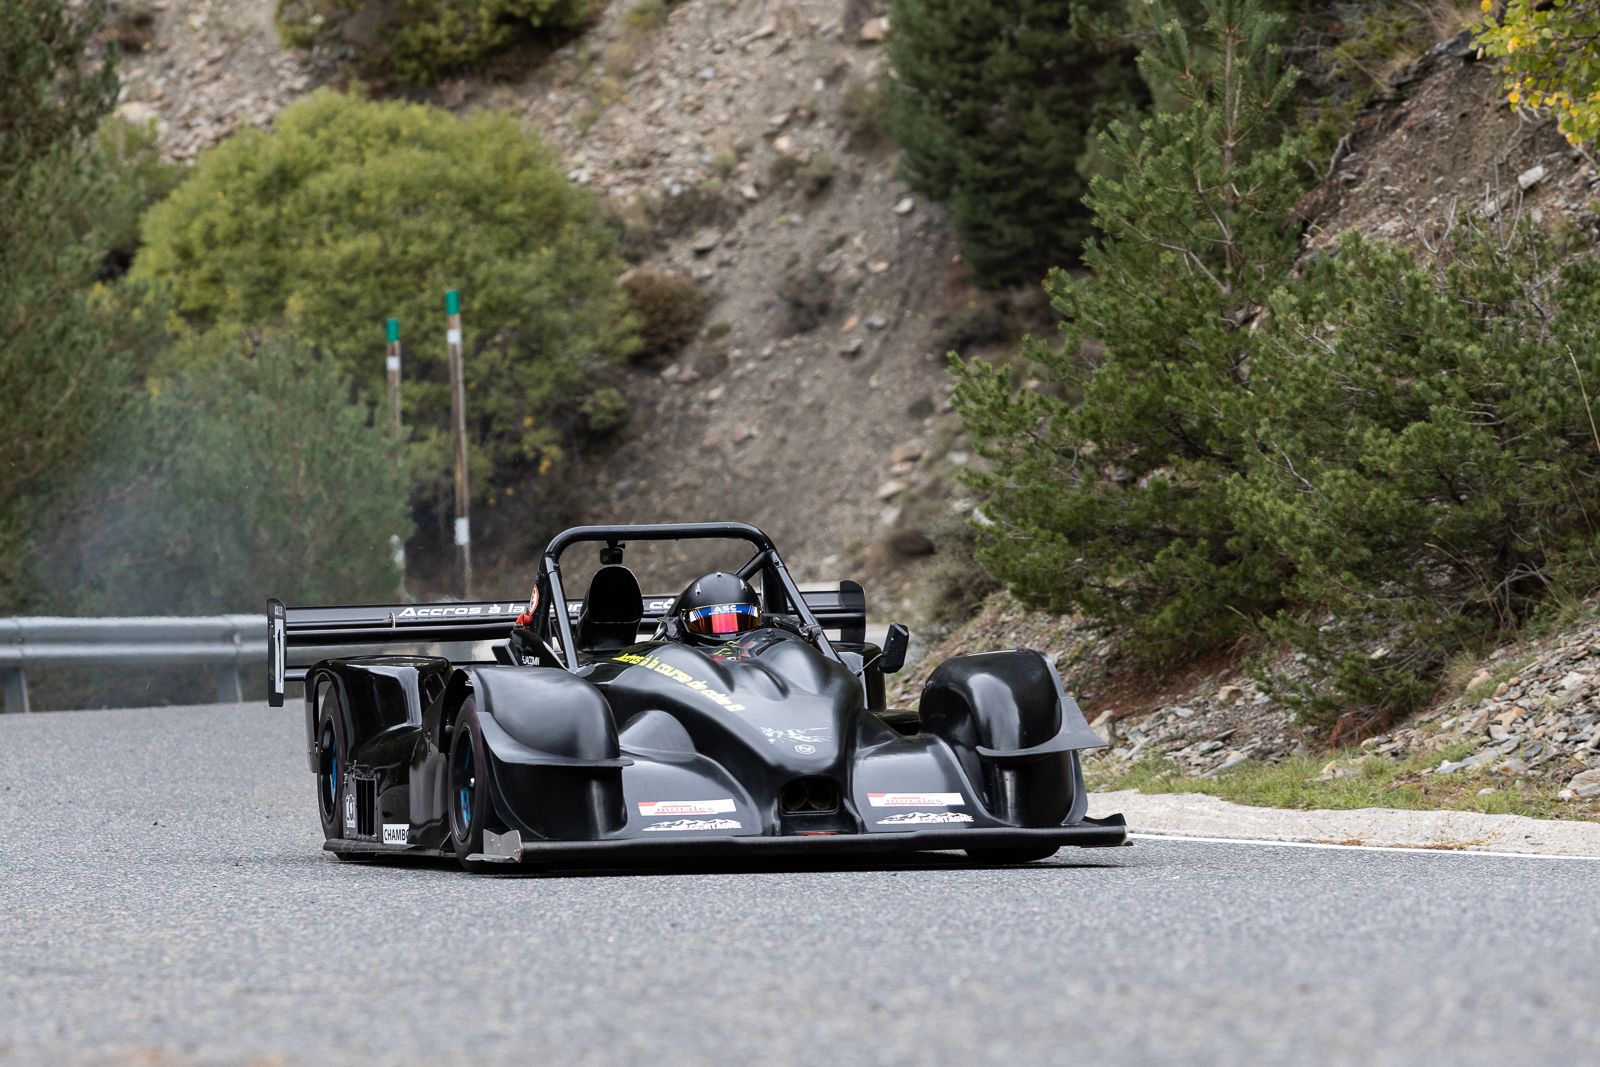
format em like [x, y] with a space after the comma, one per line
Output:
[1552, 54]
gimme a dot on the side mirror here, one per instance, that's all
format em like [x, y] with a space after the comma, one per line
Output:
[894, 649]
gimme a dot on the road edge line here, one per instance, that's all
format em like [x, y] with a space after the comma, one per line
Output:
[1433, 849]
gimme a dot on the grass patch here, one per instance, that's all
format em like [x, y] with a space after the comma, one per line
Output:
[1374, 782]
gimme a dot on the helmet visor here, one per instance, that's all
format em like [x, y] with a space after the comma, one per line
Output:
[717, 619]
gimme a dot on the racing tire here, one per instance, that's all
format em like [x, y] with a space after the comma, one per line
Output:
[471, 807]
[332, 763]
[1012, 855]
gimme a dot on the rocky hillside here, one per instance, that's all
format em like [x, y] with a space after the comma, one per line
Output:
[736, 144]
[1530, 712]
[1442, 139]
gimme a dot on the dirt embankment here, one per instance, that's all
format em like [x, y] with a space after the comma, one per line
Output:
[1443, 140]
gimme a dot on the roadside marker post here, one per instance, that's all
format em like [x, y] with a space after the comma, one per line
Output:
[458, 419]
[391, 367]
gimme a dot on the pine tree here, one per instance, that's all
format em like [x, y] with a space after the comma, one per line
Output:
[993, 106]
[1107, 478]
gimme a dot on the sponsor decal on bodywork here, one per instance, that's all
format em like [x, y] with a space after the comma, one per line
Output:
[804, 742]
[816, 736]
[916, 800]
[697, 824]
[650, 662]
[652, 809]
[349, 811]
[395, 833]
[925, 817]
[454, 611]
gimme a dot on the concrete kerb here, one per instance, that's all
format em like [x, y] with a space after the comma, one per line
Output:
[1200, 816]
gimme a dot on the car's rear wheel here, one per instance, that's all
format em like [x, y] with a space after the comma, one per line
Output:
[332, 763]
[1013, 855]
[471, 808]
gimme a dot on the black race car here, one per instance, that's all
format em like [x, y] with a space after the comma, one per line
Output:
[553, 733]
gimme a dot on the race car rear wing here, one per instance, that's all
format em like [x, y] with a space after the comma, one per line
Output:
[299, 637]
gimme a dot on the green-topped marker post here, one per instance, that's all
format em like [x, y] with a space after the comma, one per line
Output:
[391, 367]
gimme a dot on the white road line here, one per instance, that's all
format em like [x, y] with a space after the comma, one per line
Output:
[1433, 849]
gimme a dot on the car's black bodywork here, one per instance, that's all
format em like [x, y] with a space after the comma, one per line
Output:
[580, 741]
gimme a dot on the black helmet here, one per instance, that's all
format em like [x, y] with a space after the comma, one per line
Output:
[718, 606]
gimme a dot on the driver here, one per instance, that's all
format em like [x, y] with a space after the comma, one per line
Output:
[713, 609]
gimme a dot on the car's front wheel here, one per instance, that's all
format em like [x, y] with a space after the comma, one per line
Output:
[471, 808]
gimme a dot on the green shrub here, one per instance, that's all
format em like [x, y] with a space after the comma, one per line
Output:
[251, 478]
[993, 107]
[415, 42]
[350, 212]
[141, 180]
[55, 90]
[668, 308]
[1428, 460]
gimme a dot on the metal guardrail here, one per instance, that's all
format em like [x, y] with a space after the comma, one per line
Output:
[224, 642]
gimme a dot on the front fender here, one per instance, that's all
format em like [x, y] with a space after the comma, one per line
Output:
[1015, 731]
[1006, 706]
[543, 715]
[555, 766]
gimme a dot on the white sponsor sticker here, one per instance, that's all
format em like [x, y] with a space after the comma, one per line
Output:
[816, 736]
[925, 817]
[395, 833]
[350, 812]
[916, 800]
[653, 809]
[450, 611]
[697, 824]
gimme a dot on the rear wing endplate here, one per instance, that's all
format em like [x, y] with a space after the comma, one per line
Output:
[299, 637]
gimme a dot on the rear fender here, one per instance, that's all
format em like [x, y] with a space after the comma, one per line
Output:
[378, 693]
[1016, 732]
[381, 702]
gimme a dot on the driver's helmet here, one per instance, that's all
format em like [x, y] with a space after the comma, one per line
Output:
[718, 606]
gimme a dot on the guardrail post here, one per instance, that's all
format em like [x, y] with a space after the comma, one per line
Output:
[228, 689]
[14, 686]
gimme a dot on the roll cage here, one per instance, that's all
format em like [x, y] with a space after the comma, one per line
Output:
[779, 593]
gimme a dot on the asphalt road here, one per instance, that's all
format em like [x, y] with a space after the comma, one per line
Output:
[163, 899]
